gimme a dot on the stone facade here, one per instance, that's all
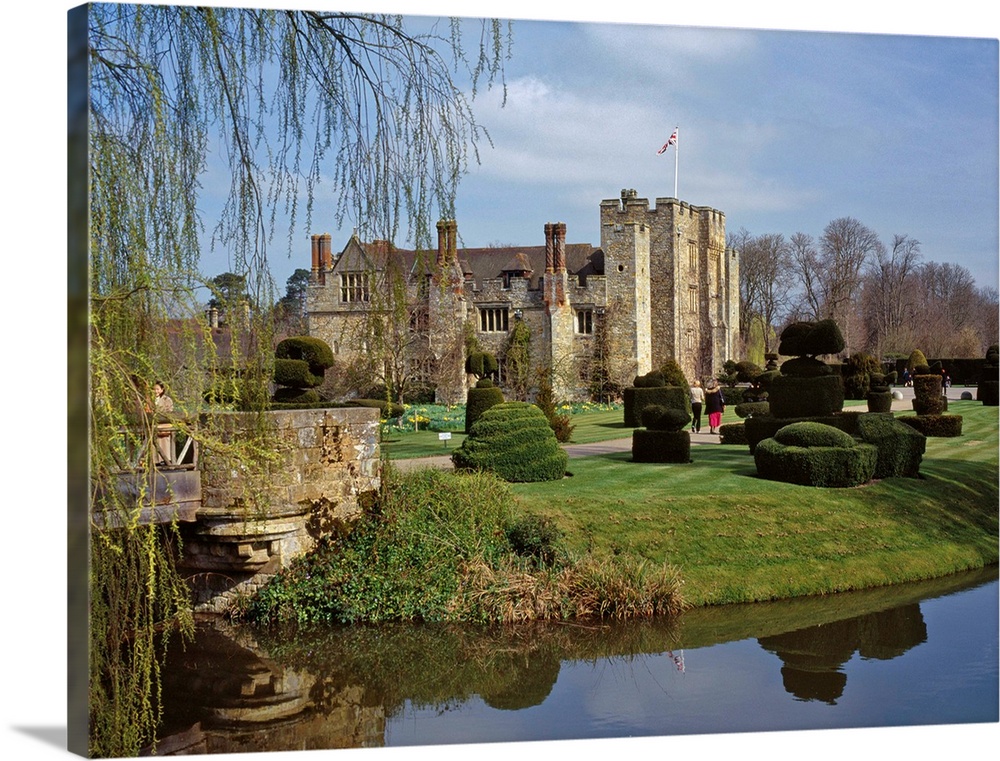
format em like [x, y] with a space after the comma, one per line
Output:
[326, 459]
[660, 286]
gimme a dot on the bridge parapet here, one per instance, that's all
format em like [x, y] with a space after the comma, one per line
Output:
[325, 460]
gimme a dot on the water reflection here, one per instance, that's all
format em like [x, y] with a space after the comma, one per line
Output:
[813, 658]
[240, 689]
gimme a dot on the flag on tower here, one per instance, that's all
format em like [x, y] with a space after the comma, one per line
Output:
[671, 141]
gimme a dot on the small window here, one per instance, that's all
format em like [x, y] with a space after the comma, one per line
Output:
[354, 287]
[494, 320]
[585, 321]
[692, 299]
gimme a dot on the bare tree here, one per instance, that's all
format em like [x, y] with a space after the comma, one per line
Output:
[766, 279]
[805, 264]
[888, 303]
[831, 274]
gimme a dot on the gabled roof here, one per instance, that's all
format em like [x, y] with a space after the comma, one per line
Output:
[479, 264]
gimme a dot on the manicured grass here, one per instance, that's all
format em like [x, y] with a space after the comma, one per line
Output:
[738, 538]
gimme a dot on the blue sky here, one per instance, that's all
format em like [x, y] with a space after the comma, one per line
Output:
[783, 131]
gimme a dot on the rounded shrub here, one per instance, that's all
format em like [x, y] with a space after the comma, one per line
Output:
[810, 434]
[732, 433]
[652, 379]
[480, 399]
[814, 454]
[810, 339]
[514, 441]
[747, 372]
[917, 363]
[635, 400]
[315, 351]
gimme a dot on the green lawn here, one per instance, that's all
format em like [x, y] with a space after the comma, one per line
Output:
[738, 538]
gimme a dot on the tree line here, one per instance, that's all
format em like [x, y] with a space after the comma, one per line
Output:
[887, 298]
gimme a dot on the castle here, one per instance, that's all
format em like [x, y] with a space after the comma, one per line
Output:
[660, 286]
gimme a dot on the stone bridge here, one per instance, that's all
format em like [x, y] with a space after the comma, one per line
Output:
[325, 460]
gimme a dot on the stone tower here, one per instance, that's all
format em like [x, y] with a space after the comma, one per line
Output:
[693, 280]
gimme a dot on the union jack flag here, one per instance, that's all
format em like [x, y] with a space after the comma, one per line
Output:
[671, 141]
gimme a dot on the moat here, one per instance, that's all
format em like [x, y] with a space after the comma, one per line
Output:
[841, 661]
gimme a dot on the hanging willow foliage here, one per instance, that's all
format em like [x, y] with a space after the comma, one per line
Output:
[281, 99]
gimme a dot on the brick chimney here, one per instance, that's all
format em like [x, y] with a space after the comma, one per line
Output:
[314, 272]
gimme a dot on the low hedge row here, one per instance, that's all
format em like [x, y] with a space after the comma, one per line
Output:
[942, 426]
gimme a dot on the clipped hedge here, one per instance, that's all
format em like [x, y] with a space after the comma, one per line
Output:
[750, 409]
[636, 399]
[805, 454]
[880, 401]
[478, 400]
[940, 426]
[661, 446]
[513, 440]
[732, 433]
[900, 447]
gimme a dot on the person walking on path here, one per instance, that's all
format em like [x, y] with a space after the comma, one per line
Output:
[697, 400]
[715, 405]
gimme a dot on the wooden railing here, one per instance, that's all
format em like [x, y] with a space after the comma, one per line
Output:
[158, 469]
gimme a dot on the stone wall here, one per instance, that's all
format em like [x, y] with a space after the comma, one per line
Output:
[325, 459]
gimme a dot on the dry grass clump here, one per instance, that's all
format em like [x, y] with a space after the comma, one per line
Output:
[612, 588]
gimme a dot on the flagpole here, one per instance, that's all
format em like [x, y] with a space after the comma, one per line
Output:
[677, 150]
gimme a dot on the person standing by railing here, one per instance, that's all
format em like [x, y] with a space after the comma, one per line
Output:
[164, 405]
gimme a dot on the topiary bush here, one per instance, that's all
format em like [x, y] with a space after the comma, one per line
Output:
[481, 364]
[796, 396]
[917, 363]
[814, 454]
[300, 363]
[900, 447]
[657, 418]
[514, 441]
[858, 371]
[927, 399]
[801, 339]
[479, 399]
[661, 446]
[636, 399]
[749, 409]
